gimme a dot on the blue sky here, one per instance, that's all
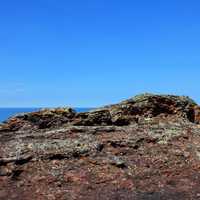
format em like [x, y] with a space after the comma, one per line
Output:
[95, 52]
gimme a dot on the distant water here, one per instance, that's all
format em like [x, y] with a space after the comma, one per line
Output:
[5, 113]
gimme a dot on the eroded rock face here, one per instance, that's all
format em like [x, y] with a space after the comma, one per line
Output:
[197, 114]
[147, 147]
[148, 106]
[93, 118]
[42, 119]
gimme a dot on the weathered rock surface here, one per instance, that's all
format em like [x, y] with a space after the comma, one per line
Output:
[147, 147]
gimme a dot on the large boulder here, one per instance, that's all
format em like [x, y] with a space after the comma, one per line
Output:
[140, 107]
[149, 106]
[44, 118]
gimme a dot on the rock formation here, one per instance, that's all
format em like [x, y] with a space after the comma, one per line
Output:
[147, 147]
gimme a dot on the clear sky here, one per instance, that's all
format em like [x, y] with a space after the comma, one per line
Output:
[87, 53]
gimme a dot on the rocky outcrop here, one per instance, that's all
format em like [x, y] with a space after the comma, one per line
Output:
[149, 106]
[147, 147]
[131, 111]
[42, 119]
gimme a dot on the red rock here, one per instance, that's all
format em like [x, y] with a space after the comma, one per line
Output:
[147, 147]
